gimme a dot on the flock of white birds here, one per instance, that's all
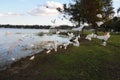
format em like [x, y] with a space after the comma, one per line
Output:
[50, 45]
[104, 38]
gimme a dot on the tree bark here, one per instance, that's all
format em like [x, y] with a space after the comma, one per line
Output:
[95, 26]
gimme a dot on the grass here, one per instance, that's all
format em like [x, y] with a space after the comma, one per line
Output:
[89, 61]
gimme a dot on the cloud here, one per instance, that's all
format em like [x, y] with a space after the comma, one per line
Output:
[53, 5]
[49, 8]
[10, 14]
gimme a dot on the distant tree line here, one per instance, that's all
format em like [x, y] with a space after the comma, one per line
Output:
[64, 27]
[34, 26]
[26, 26]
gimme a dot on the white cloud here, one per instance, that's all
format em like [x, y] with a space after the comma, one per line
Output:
[49, 8]
[53, 5]
[10, 14]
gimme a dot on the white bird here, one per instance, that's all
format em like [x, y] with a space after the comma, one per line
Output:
[104, 43]
[78, 28]
[61, 46]
[104, 37]
[65, 44]
[76, 41]
[23, 35]
[57, 32]
[13, 58]
[50, 45]
[53, 21]
[31, 58]
[31, 45]
[70, 35]
[7, 33]
[89, 36]
[56, 43]
[48, 51]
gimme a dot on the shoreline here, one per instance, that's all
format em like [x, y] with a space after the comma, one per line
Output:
[81, 40]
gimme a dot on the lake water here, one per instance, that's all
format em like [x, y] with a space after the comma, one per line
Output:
[18, 43]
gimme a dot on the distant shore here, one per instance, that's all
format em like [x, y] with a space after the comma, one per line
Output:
[35, 26]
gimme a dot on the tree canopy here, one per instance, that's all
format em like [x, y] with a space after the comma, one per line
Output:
[118, 10]
[89, 11]
[112, 25]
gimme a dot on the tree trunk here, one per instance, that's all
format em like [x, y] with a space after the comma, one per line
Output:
[96, 30]
[95, 27]
[78, 23]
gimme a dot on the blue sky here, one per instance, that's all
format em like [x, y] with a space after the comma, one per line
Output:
[32, 12]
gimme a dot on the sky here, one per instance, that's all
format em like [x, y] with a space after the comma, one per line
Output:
[35, 12]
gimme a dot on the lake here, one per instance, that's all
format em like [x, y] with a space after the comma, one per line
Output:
[18, 43]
